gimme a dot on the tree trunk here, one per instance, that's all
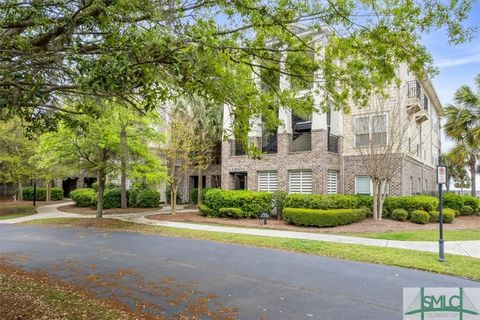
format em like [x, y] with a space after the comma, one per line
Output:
[200, 187]
[48, 193]
[473, 172]
[123, 170]
[173, 199]
[101, 189]
[381, 198]
[20, 191]
[375, 200]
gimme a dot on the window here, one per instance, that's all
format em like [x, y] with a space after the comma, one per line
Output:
[419, 187]
[267, 181]
[332, 182]
[411, 185]
[216, 181]
[362, 185]
[371, 130]
[300, 181]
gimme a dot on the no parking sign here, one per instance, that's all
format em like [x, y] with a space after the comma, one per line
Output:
[442, 174]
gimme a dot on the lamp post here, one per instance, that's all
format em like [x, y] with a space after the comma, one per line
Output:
[441, 179]
[34, 191]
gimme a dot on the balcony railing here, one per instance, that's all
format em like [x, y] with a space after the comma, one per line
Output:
[269, 143]
[332, 143]
[301, 142]
[414, 89]
[236, 148]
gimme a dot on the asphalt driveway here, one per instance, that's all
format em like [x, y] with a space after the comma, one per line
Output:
[177, 277]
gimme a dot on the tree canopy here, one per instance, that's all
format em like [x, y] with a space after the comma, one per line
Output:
[146, 52]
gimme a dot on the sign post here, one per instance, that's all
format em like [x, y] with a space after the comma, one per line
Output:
[441, 179]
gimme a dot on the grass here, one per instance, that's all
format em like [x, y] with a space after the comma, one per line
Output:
[456, 265]
[11, 211]
[34, 296]
[423, 235]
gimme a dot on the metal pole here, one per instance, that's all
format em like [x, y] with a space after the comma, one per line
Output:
[34, 192]
[441, 245]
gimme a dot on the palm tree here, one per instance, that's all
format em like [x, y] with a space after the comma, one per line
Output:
[463, 126]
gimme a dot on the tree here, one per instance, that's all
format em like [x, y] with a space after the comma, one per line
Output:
[381, 147]
[206, 119]
[147, 52]
[463, 126]
[94, 144]
[455, 164]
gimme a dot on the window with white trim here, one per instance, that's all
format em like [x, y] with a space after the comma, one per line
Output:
[300, 181]
[363, 185]
[332, 182]
[371, 130]
[268, 181]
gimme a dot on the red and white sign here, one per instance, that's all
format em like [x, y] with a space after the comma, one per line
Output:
[442, 174]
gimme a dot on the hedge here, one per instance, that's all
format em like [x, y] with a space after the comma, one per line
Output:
[204, 210]
[456, 201]
[434, 216]
[148, 198]
[466, 211]
[252, 203]
[420, 216]
[111, 198]
[471, 201]
[411, 203]
[231, 212]
[55, 193]
[450, 212]
[84, 197]
[322, 218]
[399, 215]
[334, 201]
[448, 216]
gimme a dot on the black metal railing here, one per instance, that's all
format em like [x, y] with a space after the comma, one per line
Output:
[332, 143]
[237, 148]
[301, 142]
[414, 89]
[269, 143]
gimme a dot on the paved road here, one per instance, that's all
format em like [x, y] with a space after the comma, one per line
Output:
[201, 277]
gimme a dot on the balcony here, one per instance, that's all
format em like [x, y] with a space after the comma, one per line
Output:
[301, 142]
[236, 148]
[332, 143]
[269, 143]
[414, 97]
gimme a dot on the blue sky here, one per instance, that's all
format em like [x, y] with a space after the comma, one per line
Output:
[458, 65]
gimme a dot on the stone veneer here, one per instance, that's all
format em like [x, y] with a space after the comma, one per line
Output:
[319, 160]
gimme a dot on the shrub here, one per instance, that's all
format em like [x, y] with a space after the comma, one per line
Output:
[452, 200]
[279, 202]
[148, 198]
[56, 194]
[84, 197]
[204, 210]
[453, 212]
[434, 216]
[95, 186]
[111, 198]
[471, 201]
[322, 218]
[194, 196]
[252, 203]
[319, 201]
[411, 203]
[399, 215]
[420, 216]
[231, 212]
[365, 201]
[466, 211]
[448, 215]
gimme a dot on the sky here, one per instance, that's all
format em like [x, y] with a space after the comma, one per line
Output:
[458, 65]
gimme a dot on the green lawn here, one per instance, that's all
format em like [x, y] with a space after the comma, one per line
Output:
[12, 211]
[462, 266]
[423, 235]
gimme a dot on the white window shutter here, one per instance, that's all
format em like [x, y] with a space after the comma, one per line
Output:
[268, 181]
[332, 182]
[300, 181]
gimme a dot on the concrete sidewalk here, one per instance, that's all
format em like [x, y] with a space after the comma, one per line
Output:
[464, 248]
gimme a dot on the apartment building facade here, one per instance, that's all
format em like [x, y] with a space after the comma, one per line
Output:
[322, 153]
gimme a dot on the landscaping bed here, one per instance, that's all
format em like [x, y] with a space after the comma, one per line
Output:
[72, 208]
[12, 211]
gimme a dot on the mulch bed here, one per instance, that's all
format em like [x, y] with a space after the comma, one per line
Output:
[71, 208]
[367, 225]
[9, 201]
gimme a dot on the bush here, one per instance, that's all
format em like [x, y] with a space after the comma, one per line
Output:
[434, 216]
[466, 211]
[28, 194]
[453, 212]
[194, 196]
[399, 215]
[411, 203]
[56, 194]
[111, 198]
[319, 201]
[420, 216]
[204, 210]
[84, 197]
[472, 202]
[452, 200]
[252, 203]
[231, 212]
[448, 215]
[365, 201]
[148, 198]
[279, 202]
[322, 218]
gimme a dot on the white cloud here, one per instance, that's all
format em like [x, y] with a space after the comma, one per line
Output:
[450, 62]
